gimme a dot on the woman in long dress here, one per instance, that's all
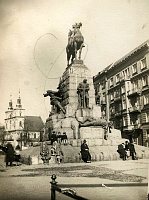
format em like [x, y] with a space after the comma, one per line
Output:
[86, 157]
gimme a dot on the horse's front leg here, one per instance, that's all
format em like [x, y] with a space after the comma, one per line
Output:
[75, 50]
[80, 51]
[68, 56]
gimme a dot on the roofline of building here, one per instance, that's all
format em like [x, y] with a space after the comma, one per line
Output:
[32, 116]
[103, 71]
[144, 44]
[111, 66]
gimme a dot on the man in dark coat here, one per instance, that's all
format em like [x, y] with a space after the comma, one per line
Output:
[86, 157]
[9, 151]
[132, 150]
[121, 151]
[53, 137]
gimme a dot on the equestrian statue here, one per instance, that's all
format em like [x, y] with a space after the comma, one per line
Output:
[75, 43]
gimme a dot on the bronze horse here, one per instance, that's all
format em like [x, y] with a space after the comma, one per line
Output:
[75, 43]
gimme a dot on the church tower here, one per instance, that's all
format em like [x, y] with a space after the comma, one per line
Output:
[19, 114]
[19, 111]
[14, 121]
[9, 115]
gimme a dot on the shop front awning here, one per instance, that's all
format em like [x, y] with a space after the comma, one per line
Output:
[132, 133]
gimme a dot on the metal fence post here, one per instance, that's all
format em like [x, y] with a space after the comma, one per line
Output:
[53, 183]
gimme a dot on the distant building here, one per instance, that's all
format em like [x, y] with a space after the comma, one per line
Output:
[24, 129]
[122, 90]
[2, 133]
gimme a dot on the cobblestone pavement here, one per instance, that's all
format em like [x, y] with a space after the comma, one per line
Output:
[124, 171]
[33, 180]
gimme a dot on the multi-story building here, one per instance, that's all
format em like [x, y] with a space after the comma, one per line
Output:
[122, 91]
[23, 129]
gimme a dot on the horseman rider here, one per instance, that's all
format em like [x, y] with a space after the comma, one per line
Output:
[74, 33]
[70, 37]
[71, 34]
[75, 43]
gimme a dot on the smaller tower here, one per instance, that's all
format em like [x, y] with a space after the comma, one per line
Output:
[9, 115]
[18, 105]
[19, 111]
[10, 104]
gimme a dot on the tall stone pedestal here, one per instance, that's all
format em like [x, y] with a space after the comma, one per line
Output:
[70, 121]
[73, 75]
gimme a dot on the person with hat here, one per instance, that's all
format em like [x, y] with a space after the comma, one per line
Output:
[86, 157]
[121, 150]
[132, 151]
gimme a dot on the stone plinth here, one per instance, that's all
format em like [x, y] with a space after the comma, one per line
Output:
[93, 135]
[69, 125]
[91, 132]
[115, 134]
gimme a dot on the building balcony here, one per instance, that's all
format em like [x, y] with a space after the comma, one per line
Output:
[134, 126]
[129, 127]
[124, 111]
[133, 93]
[135, 109]
[112, 101]
[118, 82]
[103, 102]
[118, 113]
[145, 88]
[145, 106]
[117, 98]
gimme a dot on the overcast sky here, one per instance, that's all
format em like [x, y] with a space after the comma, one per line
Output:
[33, 38]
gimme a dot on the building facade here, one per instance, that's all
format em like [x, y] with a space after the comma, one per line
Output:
[24, 129]
[122, 91]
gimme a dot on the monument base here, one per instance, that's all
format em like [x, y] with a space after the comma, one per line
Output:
[92, 132]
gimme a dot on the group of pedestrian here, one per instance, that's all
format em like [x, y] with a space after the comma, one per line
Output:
[127, 150]
[55, 154]
[44, 152]
[11, 154]
[60, 138]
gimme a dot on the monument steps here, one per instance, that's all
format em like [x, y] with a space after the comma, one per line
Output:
[72, 154]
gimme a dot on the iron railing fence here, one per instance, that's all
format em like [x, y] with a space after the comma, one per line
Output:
[65, 188]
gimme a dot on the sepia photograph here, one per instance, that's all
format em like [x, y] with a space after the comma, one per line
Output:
[74, 107]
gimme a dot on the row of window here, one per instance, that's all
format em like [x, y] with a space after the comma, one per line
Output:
[125, 74]
[14, 114]
[143, 66]
[134, 87]
[137, 84]
[12, 124]
[136, 106]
